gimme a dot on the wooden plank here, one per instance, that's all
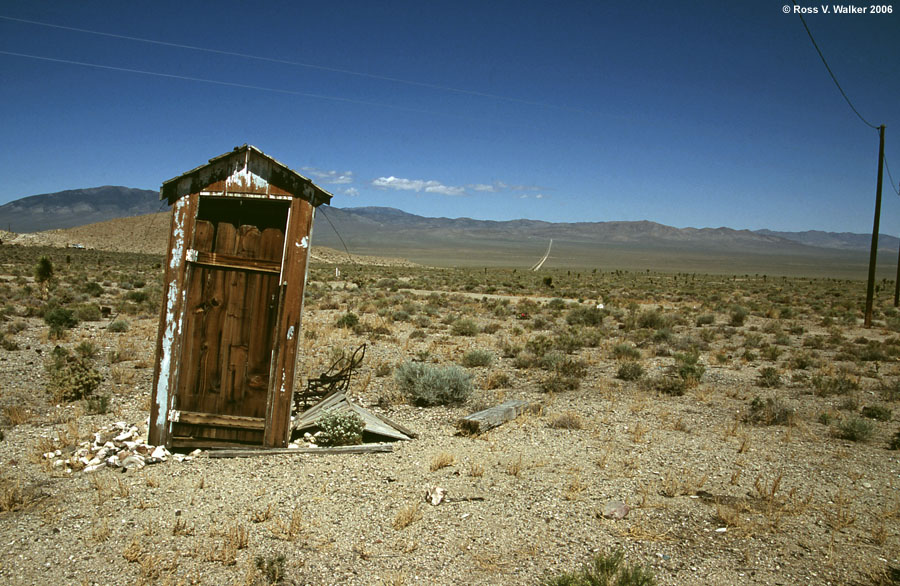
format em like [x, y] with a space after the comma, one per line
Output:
[169, 337]
[190, 441]
[215, 419]
[248, 452]
[287, 330]
[195, 313]
[492, 417]
[228, 261]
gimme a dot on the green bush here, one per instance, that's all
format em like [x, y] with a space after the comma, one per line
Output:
[71, 378]
[87, 312]
[769, 412]
[464, 327]
[833, 385]
[343, 428]
[92, 288]
[630, 370]
[60, 319]
[877, 412]
[855, 429]
[586, 316]
[769, 378]
[738, 316]
[605, 570]
[705, 320]
[426, 385]
[475, 358]
[348, 320]
[667, 385]
[626, 351]
[118, 326]
[43, 270]
[688, 367]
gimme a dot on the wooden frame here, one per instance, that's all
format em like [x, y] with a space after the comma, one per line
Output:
[233, 298]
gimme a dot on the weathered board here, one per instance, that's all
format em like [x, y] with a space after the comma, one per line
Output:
[492, 417]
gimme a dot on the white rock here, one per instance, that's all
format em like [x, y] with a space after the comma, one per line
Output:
[195, 453]
[93, 467]
[160, 452]
[133, 461]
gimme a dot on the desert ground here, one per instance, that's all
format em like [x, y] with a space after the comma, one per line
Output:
[715, 429]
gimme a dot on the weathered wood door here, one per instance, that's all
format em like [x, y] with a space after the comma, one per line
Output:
[230, 315]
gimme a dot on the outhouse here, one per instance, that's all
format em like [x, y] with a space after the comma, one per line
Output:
[232, 299]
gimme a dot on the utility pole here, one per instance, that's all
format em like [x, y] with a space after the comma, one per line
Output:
[897, 284]
[870, 289]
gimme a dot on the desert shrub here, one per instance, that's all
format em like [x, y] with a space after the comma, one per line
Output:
[475, 358]
[688, 368]
[87, 312]
[137, 296]
[92, 288]
[43, 270]
[348, 320]
[667, 385]
[71, 378]
[877, 412]
[626, 351]
[604, 570]
[738, 316]
[894, 445]
[566, 420]
[769, 378]
[425, 384]
[60, 319]
[344, 428]
[706, 319]
[586, 316]
[87, 349]
[567, 342]
[496, 380]
[802, 361]
[652, 320]
[630, 370]
[771, 353]
[840, 384]
[558, 382]
[118, 326]
[97, 405]
[539, 345]
[769, 412]
[855, 429]
[464, 327]
[272, 568]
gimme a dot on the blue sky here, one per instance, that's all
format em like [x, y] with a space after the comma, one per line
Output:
[700, 114]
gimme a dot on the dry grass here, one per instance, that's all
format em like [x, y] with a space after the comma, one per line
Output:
[566, 420]
[442, 460]
[406, 516]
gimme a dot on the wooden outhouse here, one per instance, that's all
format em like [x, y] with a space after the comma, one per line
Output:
[232, 299]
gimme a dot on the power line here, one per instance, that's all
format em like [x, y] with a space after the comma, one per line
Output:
[891, 177]
[231, 84]
[349, 256]
[298, 64]
[831, 73]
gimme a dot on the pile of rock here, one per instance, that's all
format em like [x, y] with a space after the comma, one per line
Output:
[119, 446]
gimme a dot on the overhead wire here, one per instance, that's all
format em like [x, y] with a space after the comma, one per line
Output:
[333, 227]
[831, 73]
[296, 64]
[230, 84]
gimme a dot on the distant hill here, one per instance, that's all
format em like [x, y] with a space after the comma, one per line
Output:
[841, 240]
[76, 207]
[389, 232]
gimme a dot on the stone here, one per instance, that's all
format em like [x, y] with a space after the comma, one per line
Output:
[614, 510]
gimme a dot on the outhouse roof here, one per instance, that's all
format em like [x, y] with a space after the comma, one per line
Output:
[246, 171]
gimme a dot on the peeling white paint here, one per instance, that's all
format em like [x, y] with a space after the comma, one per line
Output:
[304, 242]
[290, 335]
[244, 177]
[171, 325]
[174, 416]
[192, 255]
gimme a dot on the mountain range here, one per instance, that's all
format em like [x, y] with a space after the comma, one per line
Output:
[387, 231]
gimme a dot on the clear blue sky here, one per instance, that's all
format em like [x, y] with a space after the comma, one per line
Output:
[699, 114]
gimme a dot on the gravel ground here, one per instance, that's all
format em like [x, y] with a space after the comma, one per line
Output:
[711, 500]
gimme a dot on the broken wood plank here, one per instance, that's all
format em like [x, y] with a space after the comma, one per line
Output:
[248, 452]
[238, 421]
[492, 417]
[229, 261]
